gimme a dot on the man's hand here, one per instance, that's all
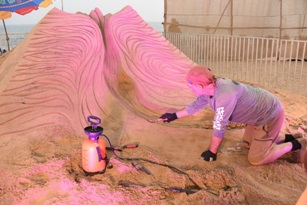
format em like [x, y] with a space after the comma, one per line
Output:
[208, 156]
[168, 117]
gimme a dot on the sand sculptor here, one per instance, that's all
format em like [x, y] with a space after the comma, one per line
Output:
[260, 110]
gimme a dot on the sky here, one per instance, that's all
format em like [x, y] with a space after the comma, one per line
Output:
[149, 10]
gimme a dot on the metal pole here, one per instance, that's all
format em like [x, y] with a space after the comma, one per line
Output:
[165, 16]
[7, 37]
[231, 18]
[280, 20]
[280, 29]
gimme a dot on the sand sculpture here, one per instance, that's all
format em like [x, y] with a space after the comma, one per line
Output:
[120, 69]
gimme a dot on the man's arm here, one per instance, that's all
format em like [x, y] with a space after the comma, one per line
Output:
[215, 144]
[182, 113]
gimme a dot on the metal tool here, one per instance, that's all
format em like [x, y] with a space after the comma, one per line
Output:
[141, 168]
[179, 190]
[157, 120]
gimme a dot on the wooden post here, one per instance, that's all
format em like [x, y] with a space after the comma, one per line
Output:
[165, 15]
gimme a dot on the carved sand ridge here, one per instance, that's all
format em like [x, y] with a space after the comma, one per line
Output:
[67, 70]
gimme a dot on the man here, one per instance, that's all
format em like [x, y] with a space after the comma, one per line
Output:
[261, 111]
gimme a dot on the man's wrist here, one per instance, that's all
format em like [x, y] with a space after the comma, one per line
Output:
[213, 152]
[215, 144]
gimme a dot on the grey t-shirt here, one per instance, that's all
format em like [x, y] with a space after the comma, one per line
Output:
[237, 102]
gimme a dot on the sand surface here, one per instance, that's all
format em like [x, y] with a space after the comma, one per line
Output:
[116, 67]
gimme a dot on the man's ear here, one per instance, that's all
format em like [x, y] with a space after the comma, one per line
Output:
[199, 87]
[211, 85]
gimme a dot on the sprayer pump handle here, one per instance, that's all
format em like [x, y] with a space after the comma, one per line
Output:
[94, 123]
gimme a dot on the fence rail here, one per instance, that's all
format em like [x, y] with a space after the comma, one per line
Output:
[267, 62]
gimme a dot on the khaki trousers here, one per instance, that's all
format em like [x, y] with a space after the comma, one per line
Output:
[262, 139]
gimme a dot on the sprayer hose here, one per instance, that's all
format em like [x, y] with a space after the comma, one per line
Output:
[153, 162]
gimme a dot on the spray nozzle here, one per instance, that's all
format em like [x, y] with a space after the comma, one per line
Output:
[95, 121]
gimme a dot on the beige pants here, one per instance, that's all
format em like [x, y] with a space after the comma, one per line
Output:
[262, 139]
[303, 198]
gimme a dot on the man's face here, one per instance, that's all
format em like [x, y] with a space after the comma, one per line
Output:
[199, 89]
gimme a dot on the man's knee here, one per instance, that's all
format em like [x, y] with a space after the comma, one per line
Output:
[255, 160]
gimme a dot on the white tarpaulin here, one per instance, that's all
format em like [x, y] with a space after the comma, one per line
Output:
[261, 18]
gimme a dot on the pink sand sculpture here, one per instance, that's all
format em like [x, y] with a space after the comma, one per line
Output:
[75, 65]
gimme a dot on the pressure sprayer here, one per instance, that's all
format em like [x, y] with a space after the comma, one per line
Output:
[94, 158]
